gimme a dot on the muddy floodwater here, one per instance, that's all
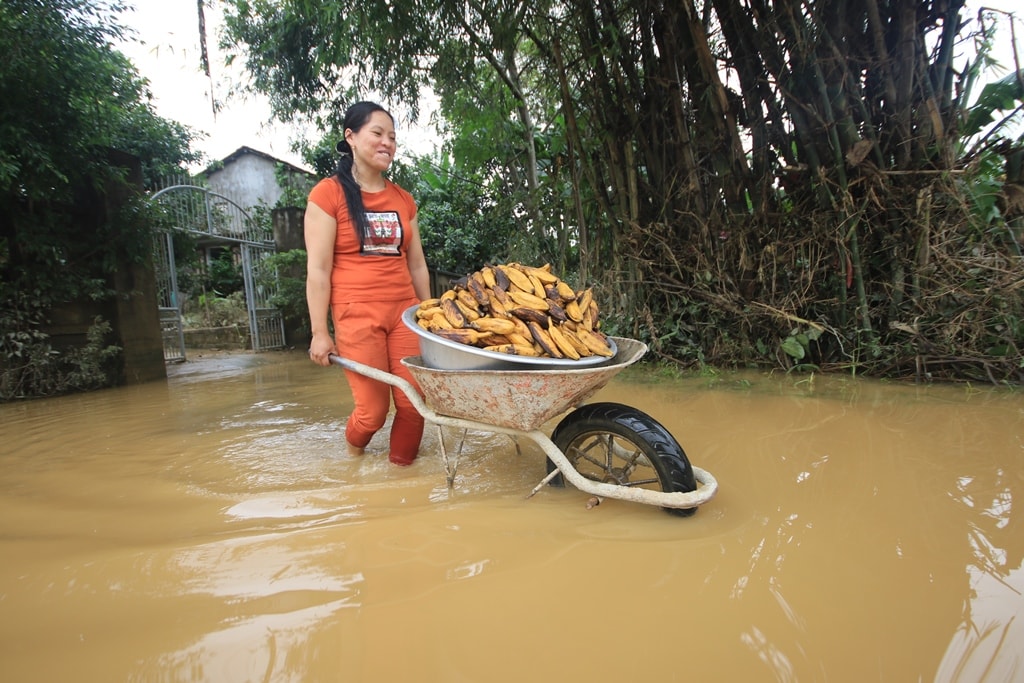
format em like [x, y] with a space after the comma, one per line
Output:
[211, 528]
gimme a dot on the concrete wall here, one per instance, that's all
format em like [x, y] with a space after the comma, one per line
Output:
[248, 180]
[133, 312]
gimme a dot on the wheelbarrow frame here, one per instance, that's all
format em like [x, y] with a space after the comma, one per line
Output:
[707, 485]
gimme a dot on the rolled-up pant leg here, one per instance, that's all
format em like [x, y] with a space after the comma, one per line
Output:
[373, 333]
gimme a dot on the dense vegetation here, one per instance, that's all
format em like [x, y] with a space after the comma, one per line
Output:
[806, 183]
[71, 105]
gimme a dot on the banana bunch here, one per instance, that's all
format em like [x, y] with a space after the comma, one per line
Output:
[516, 309]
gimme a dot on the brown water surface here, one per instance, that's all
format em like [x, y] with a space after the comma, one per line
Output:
[210, 528]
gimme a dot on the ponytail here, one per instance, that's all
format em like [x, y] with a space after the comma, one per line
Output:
[353, 194]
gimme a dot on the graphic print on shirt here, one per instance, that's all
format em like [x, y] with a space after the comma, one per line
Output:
[383, 234]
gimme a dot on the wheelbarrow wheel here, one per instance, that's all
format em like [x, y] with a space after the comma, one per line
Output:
[617, 444]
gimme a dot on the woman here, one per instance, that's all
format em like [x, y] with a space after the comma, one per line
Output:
[365, 266]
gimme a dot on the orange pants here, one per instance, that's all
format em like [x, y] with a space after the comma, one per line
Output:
[373, 333]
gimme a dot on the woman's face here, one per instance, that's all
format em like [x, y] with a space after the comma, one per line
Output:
[373, 145]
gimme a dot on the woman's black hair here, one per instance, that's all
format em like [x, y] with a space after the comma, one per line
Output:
[356, 116]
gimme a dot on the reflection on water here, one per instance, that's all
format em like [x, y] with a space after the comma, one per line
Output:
[210, 528]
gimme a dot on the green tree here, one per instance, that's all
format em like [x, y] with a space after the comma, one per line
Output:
[731, 175]
[461, 225]
[71, 104]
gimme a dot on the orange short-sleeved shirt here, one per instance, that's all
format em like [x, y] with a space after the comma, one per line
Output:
[380, 270]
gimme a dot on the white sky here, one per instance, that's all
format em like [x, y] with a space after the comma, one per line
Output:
[168, 55]
[166, 52]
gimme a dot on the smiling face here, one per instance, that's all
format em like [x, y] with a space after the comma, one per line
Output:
[373, 145]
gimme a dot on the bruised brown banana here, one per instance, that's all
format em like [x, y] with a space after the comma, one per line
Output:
[556, 312]
[464, 335]
[479, 292]
[530, 315]
[498, 309]
[500, 279]
[541, 336]
[514, 349]
[452, 312]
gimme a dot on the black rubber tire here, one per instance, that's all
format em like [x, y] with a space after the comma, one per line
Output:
[617, 431]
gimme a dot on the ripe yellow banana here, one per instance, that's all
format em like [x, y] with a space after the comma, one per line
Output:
[563, 344]
[573, 311]
[584, 298]
[439, 321]
[538, 286]
[565, 291]
[487, 273]
[502, 326]
[595, 342]
[520, 339]
[577, 343]
[529, 300]
[517, 278]
[543, 273]
[470, 313]
[430, 312]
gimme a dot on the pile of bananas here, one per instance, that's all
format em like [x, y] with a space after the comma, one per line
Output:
[516, 309]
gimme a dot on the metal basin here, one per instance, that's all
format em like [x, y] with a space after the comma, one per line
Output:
[444, 354]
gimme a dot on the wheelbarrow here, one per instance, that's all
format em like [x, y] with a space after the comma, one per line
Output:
[607, 450]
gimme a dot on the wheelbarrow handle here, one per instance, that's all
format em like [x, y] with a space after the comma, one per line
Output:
[388, 378]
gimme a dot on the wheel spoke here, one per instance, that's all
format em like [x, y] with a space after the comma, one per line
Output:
[582, 452]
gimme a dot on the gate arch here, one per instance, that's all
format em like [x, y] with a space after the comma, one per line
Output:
[220, 220]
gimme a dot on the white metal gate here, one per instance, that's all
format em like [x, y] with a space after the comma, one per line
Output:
[217, 218]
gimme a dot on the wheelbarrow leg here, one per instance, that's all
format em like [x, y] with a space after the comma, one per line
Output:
[450, 464]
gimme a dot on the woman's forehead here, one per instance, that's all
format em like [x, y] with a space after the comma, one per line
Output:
[380, 119]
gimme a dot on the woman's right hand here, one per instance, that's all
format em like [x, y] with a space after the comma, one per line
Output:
[320, 349]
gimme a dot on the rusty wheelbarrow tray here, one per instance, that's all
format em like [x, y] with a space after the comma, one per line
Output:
[519, 402]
